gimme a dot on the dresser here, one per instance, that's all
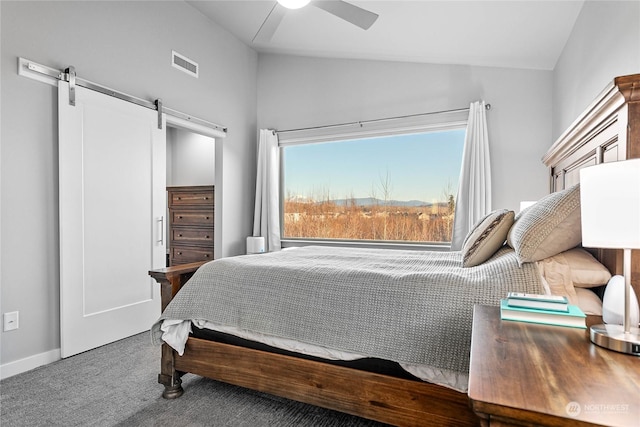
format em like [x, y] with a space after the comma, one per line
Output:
[191, 218]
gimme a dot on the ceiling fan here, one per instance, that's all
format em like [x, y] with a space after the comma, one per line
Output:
[347, 11]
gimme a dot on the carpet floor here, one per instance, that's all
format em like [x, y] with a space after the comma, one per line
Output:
[102, 387]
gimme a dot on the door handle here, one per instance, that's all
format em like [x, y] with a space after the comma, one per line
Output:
[160, 231]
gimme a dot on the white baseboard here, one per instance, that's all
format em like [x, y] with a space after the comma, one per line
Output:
[28, 363]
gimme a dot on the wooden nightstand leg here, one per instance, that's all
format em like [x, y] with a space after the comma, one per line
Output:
[484, 419]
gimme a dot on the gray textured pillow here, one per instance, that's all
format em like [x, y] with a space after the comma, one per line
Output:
[549, 227]
[486, 237]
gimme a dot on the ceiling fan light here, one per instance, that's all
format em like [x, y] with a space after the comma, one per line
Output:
[293, 4]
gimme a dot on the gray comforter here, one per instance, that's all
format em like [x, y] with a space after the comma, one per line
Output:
[407, 306]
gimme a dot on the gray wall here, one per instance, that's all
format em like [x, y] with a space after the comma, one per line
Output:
[297, 92]
[190, 158]
[127, 46]
[604, 43]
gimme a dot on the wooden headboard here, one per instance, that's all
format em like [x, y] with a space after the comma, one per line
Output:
[607, 131]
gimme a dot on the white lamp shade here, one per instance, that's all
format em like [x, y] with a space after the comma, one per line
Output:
[610, 205]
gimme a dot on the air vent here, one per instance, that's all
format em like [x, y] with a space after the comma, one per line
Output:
[183, 63]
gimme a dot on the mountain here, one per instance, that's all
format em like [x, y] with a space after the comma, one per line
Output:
[369, 201]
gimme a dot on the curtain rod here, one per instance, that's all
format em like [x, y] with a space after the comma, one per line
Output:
[360, 123]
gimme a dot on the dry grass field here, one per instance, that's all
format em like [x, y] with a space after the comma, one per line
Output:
[379, 221]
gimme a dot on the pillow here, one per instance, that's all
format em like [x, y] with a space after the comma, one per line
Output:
[556, 278]
[566, 272]
[549, 227]
[586, 271]
[486, 237]
[589, 302]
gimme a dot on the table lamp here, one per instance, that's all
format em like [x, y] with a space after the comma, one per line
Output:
[610, 209]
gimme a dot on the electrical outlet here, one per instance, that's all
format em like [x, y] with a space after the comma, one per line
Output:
[10, 321]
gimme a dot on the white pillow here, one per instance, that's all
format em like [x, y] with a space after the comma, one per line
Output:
[549, 227]
[588, 301]
[586, 271]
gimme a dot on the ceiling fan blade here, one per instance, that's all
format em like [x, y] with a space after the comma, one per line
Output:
[349, 12]
[270, 24]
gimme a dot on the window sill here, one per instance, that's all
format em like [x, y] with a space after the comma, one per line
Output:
[292, 243]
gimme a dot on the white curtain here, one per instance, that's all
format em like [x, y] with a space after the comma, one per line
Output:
[474, 189]
[266, 218]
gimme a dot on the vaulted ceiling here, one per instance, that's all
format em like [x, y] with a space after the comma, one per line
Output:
[514, 34]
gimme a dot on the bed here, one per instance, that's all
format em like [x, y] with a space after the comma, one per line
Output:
[433, 296]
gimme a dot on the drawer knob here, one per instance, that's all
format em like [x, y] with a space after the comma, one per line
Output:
[206, 217]
[206, 198]
[206, 255]
[180, 216]
[207, 237]
[179, 198]
[180, 235]
[179, 253]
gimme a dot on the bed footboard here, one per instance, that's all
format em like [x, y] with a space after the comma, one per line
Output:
[171, 280]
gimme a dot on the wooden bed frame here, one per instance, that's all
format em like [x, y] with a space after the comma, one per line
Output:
[609, 130]
[379, 397]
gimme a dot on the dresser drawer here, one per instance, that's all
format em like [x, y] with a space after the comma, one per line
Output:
[184, 254]
[190, 217]
[192, 235]
[191, 198]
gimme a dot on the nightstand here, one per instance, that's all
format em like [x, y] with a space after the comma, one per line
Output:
[529, 374]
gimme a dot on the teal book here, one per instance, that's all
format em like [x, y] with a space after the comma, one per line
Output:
[540, 302]
[573, 318]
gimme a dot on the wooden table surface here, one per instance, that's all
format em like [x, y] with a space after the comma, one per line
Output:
[548, 375]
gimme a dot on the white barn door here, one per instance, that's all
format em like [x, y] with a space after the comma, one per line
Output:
[112, 208]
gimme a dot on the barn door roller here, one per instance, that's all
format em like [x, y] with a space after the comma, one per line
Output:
[70, 76]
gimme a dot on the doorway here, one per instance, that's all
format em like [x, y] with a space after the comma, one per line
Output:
[190, 171]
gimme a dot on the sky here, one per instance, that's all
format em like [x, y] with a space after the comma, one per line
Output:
[416, 167]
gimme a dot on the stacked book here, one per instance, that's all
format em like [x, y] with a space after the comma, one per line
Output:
[545, 309]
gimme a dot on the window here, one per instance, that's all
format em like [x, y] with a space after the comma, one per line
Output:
[375, 186]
